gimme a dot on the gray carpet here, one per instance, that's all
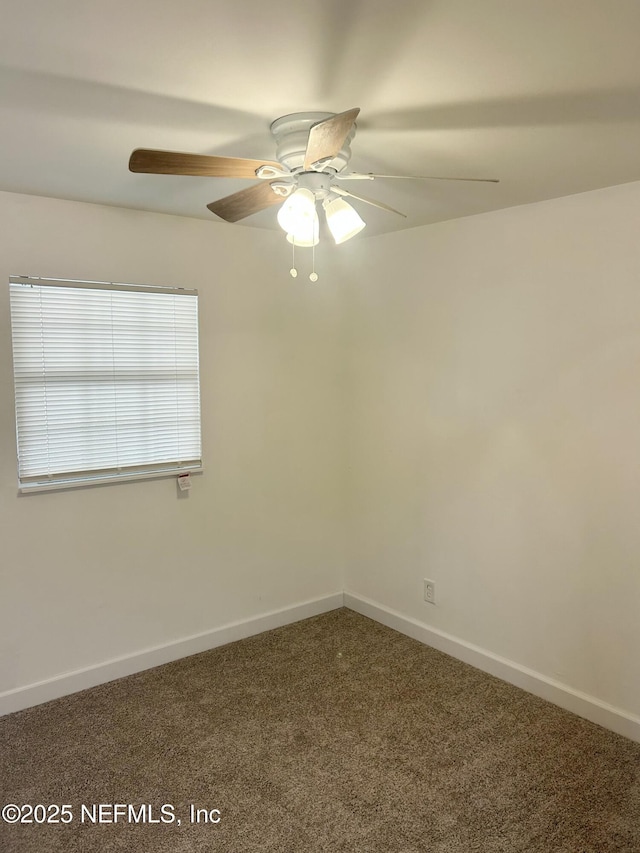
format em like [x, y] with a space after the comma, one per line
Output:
[333, 734]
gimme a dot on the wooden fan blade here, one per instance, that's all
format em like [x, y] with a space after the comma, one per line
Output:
[379, 204]
[327, 137]
[202, 165]
[239, 205]
[369, 176]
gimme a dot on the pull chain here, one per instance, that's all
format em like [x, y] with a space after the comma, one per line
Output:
[313, 276]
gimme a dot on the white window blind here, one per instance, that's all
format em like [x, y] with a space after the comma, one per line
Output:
[106, 381]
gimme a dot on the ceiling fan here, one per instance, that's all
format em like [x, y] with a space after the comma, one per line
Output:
[312, 155]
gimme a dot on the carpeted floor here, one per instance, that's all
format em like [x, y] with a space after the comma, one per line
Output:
[334, 734]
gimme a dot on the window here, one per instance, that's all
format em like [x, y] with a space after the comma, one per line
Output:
[106, 381]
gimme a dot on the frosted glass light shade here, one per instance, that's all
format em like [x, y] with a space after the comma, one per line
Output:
[297, 212]
[343, 221]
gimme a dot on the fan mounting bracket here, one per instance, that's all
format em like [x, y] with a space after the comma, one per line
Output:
[268, 173]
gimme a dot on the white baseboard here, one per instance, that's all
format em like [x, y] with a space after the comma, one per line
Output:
[540, 685]
[559, 694]
[81, 679]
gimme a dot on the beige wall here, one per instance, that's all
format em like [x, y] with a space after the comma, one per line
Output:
[476, 420]
[94, 574]
[495, 434]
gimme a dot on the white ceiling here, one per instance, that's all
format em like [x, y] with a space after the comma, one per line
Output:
[542, 94]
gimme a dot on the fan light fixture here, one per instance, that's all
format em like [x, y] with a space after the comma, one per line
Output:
[299, 218]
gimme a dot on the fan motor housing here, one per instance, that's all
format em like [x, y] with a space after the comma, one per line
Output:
[291, 133]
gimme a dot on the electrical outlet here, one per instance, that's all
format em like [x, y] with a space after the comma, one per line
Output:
[429, 591]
